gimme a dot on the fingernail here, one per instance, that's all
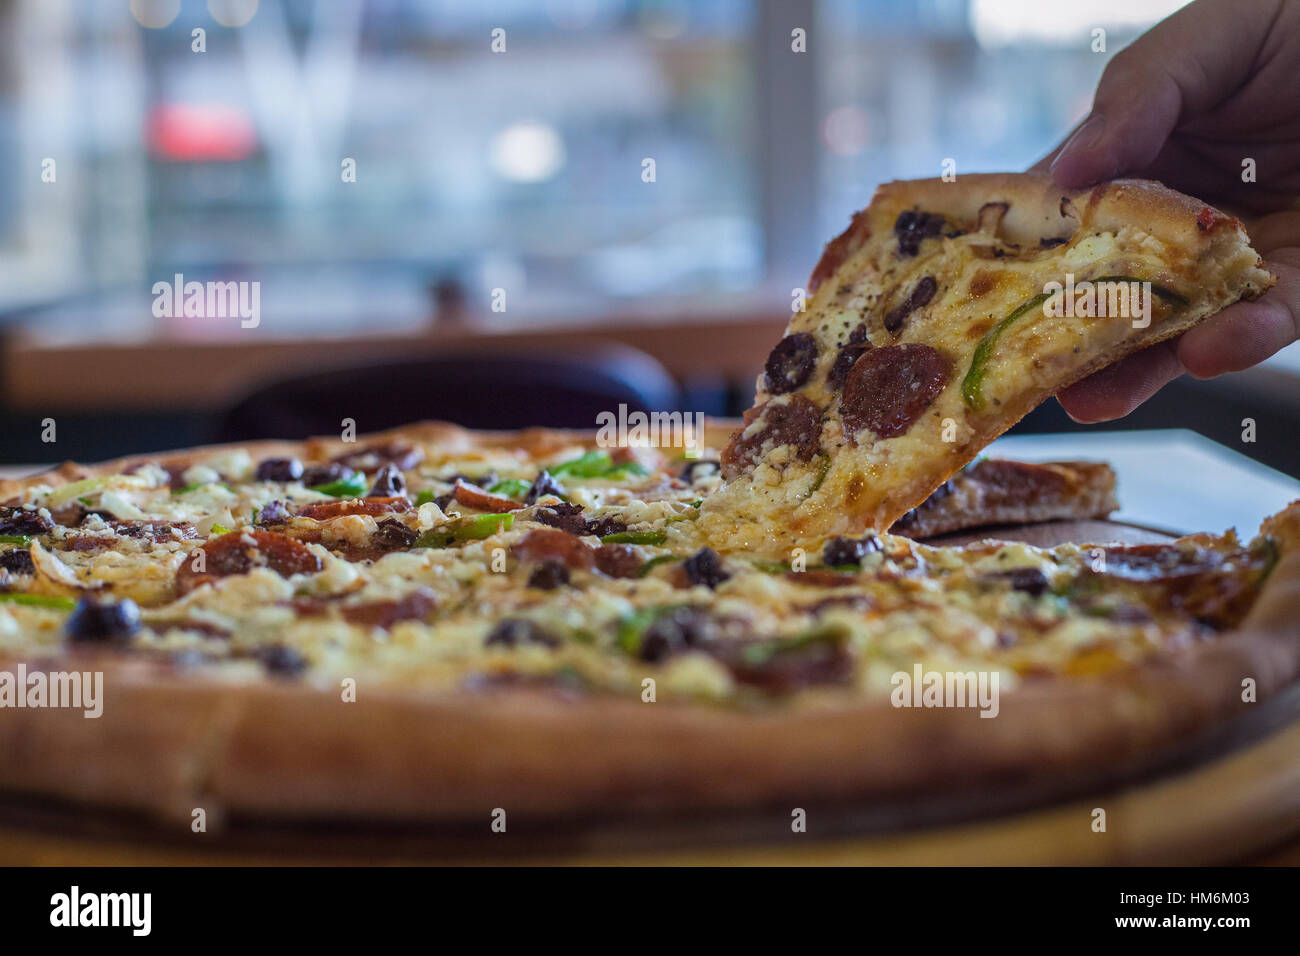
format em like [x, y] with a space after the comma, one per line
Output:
[1084, 138]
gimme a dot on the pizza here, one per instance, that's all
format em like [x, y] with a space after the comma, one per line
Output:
[435, 624]
[939, 318]
[994, 491]
[432, 623]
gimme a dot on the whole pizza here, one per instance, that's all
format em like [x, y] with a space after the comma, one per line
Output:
[433, 623]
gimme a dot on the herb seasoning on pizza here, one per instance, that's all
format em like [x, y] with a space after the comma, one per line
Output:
[945, 313]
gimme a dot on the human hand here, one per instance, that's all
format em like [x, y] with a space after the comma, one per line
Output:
[1214, 84]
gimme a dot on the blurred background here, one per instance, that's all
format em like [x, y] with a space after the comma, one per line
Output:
[501, 212]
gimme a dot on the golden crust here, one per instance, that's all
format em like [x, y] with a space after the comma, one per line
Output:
[1040, 209]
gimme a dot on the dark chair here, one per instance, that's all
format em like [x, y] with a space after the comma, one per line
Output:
[477, 389]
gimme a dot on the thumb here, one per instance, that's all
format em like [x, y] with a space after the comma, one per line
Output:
[1136, 108]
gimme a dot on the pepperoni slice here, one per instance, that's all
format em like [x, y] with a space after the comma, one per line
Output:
[889, 388]
[791, 363]
[369, 506]
[618, 561]
[552, 544]
[472, 496]
[1216, 589]
[796, 422]
[787, 669]
[239, 552]
[384, 614]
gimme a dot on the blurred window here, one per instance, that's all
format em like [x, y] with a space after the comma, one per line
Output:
[990, 84]
[522, 169]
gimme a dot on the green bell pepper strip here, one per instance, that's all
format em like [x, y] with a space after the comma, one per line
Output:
[472, 529]
[625, 469]
[823, 469]
[635, 537]
[596, 464]
[40, 600]
[972, 384]
[655, 562]
[514, 488]
[765, 651]
[424, 498]
[20, 539]
[352, 487]
[1163, 291]
[591, 465]
[631, 629]
[86, 486]
[202, 484]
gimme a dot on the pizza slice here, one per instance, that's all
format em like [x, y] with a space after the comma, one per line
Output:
[998, 491]
[939, 318]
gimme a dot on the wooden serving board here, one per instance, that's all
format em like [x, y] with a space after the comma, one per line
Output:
[1226, 797]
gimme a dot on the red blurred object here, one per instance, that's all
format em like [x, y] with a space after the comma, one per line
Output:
[199, 132]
